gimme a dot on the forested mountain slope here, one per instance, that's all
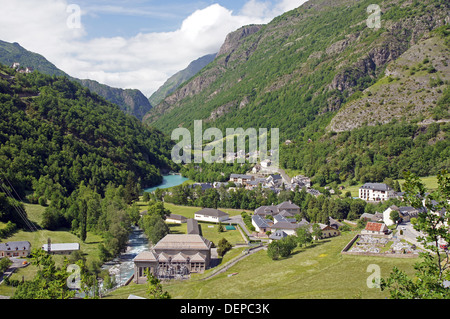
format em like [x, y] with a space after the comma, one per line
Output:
[55, 128]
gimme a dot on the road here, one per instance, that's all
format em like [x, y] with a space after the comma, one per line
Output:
[286, 178]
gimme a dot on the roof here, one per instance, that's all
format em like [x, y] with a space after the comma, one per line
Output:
[278, 234]
[379, 227]
[176, 217]
[61, 246]
[266, 210]
[211, 212]
[285, 213]
[198, 257]
[287, 205]
[259, 221]
[192, 227]
[376, 186]
[284, 225]
[180, 257]
[15, 245]
[146, 256]
[182, 241]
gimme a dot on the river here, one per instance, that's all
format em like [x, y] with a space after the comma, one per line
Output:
[123, 266]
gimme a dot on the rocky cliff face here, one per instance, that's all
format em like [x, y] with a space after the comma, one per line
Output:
[179, 78]
[411, 86]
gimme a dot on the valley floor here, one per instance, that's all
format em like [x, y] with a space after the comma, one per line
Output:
[315, 272]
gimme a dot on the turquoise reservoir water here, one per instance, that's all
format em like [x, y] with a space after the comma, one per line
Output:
[168, 181]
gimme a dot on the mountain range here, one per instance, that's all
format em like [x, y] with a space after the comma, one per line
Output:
[307, 65]
[176, 80]
[131, 101]
[356, 101]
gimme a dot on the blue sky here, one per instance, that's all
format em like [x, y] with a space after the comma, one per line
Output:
[127, 18]
[135, 44]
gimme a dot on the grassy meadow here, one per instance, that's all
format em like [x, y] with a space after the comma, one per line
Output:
[316, 272]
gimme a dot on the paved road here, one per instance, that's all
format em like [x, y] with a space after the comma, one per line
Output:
[237, 219]
[286, 178]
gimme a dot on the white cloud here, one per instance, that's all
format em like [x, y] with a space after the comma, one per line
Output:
[144, 61]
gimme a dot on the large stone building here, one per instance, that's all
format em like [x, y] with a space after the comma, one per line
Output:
[375, 192]
[176, 255]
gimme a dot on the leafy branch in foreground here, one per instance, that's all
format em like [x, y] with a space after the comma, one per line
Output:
[154, 287]
[432, 271]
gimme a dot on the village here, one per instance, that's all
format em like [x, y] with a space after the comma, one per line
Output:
[388, 233]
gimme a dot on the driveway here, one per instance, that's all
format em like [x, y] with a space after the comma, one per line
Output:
[16, 263]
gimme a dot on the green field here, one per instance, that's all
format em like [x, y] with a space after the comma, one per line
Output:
[318, 272]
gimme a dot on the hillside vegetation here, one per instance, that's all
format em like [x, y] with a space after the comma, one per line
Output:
[52, 127]
[341, 91]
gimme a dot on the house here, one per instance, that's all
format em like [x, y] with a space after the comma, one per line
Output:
[256, 168]
[405, 213]
[274, 180]
[289, 207]
[266, 163]
[328, 231]
[211, 215]
[261, 224]
[174, 255]
[176, 219]
[302, 181]
[334, 223]
[277, 235]
[267, 210]
[15, 249]
[373, 228]
[375, 192]
[272, 210]
[285, 226]
[241, 178]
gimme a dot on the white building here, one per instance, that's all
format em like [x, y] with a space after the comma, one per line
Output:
[211, 215]
[61, 248]
[374, 192]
